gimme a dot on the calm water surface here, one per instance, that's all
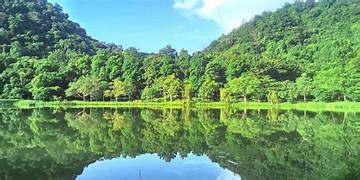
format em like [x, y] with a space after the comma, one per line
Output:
[177, 144]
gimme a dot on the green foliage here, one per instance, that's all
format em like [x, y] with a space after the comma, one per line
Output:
[304, 85]
[107, 64]
[16, 78]
[209, 91]
[170, 87]
[215, 71]
[306, 49]
[35, 28]
[224, 95]
[51, 76]
[119, 88]
[298, 42]
[187, 92]
[244, 86]
[43, 86]
[273, 97]
[151, 66]
[132, 70]
[150, 93]
[197, 70]
[86, 86]
[183, 63]
[287, 91]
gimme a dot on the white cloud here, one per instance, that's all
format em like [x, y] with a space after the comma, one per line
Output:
[210, 6]
[228, 14]
[185, 4]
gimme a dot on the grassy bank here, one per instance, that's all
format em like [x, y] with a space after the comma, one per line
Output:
[311, 106]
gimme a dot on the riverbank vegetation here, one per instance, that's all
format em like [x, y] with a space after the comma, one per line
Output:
[305, 51]
[308, 106]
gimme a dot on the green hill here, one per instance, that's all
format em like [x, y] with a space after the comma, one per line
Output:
[36, 27]
[319, 40]
[304, 51]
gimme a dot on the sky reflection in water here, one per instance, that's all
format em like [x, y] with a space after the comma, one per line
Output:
[151, 167]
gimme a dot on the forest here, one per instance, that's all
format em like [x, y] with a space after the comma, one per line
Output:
[305, 51]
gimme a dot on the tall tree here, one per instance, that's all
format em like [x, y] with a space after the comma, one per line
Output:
[244, 86]
[85, 86]
[119, 88]
[304, 85]
[171, 87]
[209, 91]
[132, 70]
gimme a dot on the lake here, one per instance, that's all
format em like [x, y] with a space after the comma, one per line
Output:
[156, 144]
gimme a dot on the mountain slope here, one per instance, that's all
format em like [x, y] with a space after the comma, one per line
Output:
[295, 24]
[316, 40]
[304, 51]
[36, 27]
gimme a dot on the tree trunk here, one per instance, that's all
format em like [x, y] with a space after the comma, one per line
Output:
[345, 99]
[345, 116]
[304, 98]
[245, 99]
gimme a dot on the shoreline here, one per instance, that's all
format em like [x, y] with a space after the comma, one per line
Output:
[310, 106]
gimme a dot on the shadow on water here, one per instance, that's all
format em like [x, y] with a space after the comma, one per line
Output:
[254, 144]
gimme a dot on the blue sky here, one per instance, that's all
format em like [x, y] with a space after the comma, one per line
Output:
[150, 25]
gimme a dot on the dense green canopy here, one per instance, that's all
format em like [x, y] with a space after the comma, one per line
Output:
[304, 51]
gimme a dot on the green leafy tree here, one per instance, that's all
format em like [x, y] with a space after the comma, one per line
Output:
[151, 66]
[44, 88]
[120, 88]
[85, 86]
[198, 63]
[170, 86]
[273, 97]
[51, 76]
[98, 65]
[168, 65]
[287, 91]
[183, 63]
[16, 79]
[244, 86]
[108, 93]
[304, 85]
[224, 95]
[132, 71]
[209, 91]
[150, 93]
[187, 92]
[215, 71]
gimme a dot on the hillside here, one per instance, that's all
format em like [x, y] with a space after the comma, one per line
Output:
[36, 27]
[317, 40]
[303, 51]
[303, 37]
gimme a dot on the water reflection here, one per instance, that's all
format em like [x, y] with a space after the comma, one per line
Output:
[150, 167]
[271, 144]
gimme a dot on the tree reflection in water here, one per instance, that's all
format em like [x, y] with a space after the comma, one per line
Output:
[256, 144]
